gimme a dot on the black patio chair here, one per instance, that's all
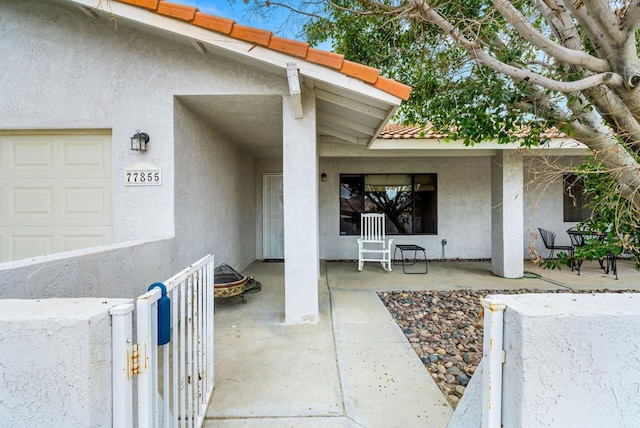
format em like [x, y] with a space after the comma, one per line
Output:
[549, 240]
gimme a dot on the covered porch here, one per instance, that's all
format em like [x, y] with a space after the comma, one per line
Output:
[354, 367]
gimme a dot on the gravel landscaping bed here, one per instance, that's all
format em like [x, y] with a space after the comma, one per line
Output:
[445, 330]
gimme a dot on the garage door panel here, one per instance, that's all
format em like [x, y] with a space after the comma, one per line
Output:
[30, 245]
[84, 202]
[83, 154]
[50, 222]
[76, 242]
[32, 241]
[92, 201]
[56, 193]
[31, 202]
[28, 153]
[67, 156]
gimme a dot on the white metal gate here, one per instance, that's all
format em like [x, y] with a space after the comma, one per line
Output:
[174, 381]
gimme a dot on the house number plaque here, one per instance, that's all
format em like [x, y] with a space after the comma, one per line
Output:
[143, 174]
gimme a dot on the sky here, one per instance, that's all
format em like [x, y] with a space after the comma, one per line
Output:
[276, 21]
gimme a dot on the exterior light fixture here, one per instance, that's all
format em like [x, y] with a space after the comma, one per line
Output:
[323, 177]
[139, 141]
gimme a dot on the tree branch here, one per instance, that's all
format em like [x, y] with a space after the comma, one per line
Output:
[617, 115]
[532, 35]
[606, 20]
[484, 58]
[269, 3]
[561, 23]
[589, 130]
[600, 43]
[541, 106]
[631, 18]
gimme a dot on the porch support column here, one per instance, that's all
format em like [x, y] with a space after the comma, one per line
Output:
[300, 170]
[507, 215]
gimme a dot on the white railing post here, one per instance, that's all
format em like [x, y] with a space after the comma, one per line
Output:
[147, 354]
[209, 348]
[492, 360]
[121, 348]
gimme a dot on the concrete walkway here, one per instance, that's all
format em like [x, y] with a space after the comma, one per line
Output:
[354, 368]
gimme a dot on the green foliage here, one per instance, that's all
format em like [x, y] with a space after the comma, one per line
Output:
[613, 216]
[450, 90]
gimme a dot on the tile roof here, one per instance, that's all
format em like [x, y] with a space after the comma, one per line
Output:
[265, 38]
[396, 131]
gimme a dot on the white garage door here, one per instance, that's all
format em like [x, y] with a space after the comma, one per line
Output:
[55, 193]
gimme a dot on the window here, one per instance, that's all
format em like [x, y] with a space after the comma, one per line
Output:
[575, 199]
[408, 200]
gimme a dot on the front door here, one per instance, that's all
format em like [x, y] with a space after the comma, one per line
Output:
[273, 217]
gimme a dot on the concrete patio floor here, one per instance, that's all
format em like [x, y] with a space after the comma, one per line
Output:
[354, 368]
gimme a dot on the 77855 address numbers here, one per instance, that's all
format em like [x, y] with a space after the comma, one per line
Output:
[143, 177]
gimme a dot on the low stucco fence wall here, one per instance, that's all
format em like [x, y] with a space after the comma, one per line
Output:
[55, 330]
[56, 362]
[57, 354]
[571, 360]
[118, 270]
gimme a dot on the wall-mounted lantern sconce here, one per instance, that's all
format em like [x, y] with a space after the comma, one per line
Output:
[323, 177]
[139, 141]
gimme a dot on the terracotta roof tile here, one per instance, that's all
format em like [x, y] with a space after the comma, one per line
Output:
[266, 38]
[328, 59]
[396, 131]
[250, 34]
[391, 86]
[214, 23]
[288, 46]
[149, 4]
[554, 133]
[178, 11]
[362, 72]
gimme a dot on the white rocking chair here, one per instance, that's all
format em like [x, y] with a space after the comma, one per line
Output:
[372, 241]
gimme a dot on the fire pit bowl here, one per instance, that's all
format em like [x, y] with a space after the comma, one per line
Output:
[227, 282]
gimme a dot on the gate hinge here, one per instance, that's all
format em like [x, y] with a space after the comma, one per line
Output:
[134, 359]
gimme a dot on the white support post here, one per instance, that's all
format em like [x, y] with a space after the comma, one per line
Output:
[507, 214]
[294, 90]
[121, 349]
[492, 360]
[301, 225]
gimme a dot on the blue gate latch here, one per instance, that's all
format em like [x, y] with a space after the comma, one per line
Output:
[164, 314]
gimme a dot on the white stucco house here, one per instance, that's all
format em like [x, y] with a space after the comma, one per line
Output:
[259, 148]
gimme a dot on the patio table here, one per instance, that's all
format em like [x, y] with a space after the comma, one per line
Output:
[415, 249]
[580, 238]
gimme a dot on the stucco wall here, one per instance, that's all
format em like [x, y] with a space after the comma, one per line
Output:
[55, 362]
[464, 199]
[61, 69]
[118, 270]
[571, 360]
[215, 194]
[464, 196]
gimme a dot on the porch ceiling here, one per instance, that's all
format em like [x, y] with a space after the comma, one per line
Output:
[254, 122]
